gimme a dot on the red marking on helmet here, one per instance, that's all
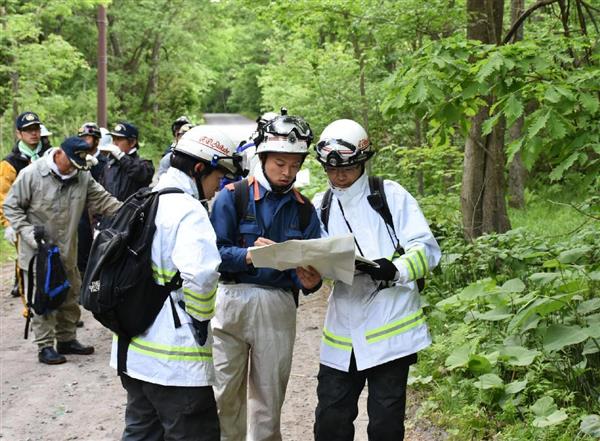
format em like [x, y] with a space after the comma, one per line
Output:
[363, 143]
[213, 144]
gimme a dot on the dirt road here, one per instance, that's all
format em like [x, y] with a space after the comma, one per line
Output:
[83, 398]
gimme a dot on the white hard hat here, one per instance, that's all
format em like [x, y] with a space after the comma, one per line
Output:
[285, 134]
[44, 131]
[343, 142]
[212, 146]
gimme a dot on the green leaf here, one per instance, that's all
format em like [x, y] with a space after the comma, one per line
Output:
[477, 289]
[553, 419]
[459, 357]
[589, 102]
[590, 425]
[538, 123]
[557, 337]
[590, 347]
[543, 406]
[515, 387]
[497, 314]
[572, 256]
[489, 381]
[478, 364]
[589, 306]
[488, 124]
[419, 93]
[512, 285]
[544, 278]
[558, 171]
[513, 109]
[518, 355]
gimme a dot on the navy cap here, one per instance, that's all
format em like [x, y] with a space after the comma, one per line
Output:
[125, 130]
[77, 150]
[27, 119]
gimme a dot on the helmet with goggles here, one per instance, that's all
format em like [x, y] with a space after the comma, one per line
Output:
[178, 123]
[213, 147]
[343, 143]
[91, 129]
[285, 134]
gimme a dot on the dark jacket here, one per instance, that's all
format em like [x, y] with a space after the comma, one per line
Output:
[124, 177]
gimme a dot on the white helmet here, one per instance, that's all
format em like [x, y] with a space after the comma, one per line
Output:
[44, 131]
[285, 134]
[211, 146]
[343, 142]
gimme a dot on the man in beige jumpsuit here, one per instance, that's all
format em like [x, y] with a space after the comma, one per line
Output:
[52, 193]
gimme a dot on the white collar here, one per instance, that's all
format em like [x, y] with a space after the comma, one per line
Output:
[357, 188]
[174, 177]
[54, 167]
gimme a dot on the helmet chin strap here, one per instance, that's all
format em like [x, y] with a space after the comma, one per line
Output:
[197, 176]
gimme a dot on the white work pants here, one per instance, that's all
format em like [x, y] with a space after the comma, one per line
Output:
[254, 329]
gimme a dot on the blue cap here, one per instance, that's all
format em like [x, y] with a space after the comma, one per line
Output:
[27, 119]
[77, 150]
[125, 130]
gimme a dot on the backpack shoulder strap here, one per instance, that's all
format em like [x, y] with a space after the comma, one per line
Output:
[325, 206]
[378, 201]
[241, 194]
[304, 210]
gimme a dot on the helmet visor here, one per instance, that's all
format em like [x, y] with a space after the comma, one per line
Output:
[286, 124]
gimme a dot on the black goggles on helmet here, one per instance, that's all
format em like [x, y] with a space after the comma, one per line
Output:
[236, 158]
[91, 130]
[284, 125]
[335, 159]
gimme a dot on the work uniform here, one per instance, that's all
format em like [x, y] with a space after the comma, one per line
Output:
[41, 197]
[168, 375]
[373, 332]
[255, 321]
[123, 177]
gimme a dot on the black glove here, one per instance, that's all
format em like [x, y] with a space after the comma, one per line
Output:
[200, 330]
[387, 271]
[39, 234]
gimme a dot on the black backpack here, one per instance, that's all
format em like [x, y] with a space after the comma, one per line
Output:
[118, 285]
[47, 284]
[378, 202]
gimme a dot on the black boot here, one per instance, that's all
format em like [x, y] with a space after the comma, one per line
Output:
[74, 347]
[48, 355]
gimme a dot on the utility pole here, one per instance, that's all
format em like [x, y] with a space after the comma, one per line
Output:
[102, 66]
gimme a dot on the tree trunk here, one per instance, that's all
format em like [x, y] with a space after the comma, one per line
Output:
[152, 84]
[517, 174]
[483, 204]
[418, 145]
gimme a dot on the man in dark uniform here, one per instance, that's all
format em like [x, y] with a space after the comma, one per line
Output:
[125, 172]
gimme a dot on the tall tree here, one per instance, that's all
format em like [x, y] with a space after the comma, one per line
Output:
[482, 196]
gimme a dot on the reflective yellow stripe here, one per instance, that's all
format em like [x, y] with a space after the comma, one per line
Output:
[200, 297]
[200, 306]
[162, 275]
[336, 341]
[411, 268]
[417, 263]
[397, 327]
[199, 313]
[165, 352]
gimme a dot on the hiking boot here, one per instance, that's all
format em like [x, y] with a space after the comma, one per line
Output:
[48, 355]
[74, 347]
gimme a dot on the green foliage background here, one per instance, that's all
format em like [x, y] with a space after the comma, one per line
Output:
[515, 316]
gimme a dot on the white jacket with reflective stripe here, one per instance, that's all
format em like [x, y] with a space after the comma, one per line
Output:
[184, 241]
[384, 325]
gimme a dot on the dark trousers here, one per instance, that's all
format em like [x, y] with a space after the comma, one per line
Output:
[338, 394]
[169, 413]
